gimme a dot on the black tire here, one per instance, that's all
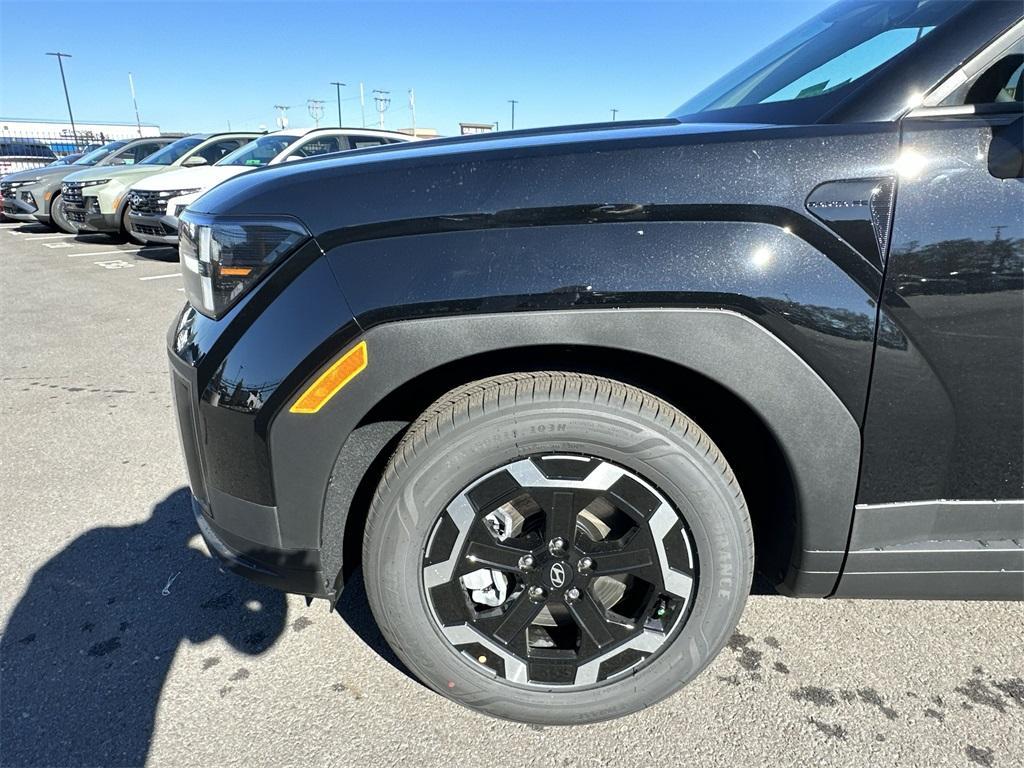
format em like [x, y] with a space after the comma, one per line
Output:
[57, 217]
[485, 425]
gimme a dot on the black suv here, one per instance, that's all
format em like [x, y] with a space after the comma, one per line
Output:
[561, 392]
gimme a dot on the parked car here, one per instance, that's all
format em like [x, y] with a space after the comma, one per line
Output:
[23, 154]
[96, 200]
[69, 159]
[155, 202]
[560, 391]
[35, 195]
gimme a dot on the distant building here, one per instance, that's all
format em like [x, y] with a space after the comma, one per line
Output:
[470, 128]
[421, 133]
[58, 135]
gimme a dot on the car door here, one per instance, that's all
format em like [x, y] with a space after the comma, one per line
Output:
[943, 461]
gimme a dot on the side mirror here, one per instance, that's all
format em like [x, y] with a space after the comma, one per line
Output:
[195, 160]
[1006, 152]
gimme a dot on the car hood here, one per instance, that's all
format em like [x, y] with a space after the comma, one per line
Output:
[484, 175]
[190, 178]
[46, 172]
[125, 174]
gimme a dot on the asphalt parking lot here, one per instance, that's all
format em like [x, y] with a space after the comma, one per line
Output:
[124, 644]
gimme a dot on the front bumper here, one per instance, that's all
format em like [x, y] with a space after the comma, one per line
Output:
[88, 218]
[243, 535]
[233, 380]
[19, 209]
[153, 228]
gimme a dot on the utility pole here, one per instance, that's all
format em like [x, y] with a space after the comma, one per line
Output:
[382, 99]
[362, 103]
[131, 86]
[60, 61]
[614, 113]
[513, 102]
[338, 86]
[315, 107]
[282, 116]
[412, 106]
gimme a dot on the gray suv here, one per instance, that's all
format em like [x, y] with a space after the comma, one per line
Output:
[35, 194]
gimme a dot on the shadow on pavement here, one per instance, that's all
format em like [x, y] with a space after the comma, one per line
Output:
[88, 646]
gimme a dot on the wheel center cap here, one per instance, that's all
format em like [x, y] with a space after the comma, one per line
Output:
[559, 574]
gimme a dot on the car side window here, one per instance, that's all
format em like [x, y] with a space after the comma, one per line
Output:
[141, 152]
[217, 150]
[319, 146]
[1001, 82]
[361, 142]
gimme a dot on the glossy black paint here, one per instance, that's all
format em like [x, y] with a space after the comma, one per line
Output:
[954, 312]
[549, 226]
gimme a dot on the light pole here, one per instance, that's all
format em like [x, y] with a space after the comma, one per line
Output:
[60, 61]
[382, 99]
[337, 87]
[614, 113]
[513, 102]
[315, 107]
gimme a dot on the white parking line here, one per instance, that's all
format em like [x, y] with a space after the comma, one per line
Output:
[59, 245]
[100, 253]
[161, 277]
[34, 236]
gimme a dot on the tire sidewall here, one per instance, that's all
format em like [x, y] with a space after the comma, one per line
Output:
[60, 221]
[716, 521]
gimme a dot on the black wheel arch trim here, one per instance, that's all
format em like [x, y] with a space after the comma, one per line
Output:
[818, 435]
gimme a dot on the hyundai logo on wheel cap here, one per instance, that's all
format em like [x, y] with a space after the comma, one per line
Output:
[557, 575]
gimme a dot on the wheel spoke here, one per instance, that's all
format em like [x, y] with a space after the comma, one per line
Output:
[561, 517]
[523, 611]
[590, 618]
[502, 557]
[634, 555]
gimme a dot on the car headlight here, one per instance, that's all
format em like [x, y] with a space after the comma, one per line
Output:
[224, 258]
[21, 182]
[178, 192]
[94, 182]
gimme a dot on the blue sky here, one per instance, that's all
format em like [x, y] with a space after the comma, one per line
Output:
[198, 66]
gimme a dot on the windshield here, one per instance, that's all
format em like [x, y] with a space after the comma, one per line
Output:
[91, 158]
[832, 50]
[258, 153]
[172, 152]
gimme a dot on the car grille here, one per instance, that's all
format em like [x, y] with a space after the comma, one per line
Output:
[146, 201]
[151, 229]
[72, 193]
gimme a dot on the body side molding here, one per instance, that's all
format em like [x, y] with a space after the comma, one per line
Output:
[973, 549]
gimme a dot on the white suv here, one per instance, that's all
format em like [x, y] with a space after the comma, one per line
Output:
[155, 203]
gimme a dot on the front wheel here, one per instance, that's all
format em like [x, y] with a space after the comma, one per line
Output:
[58, 216]
[557, 548]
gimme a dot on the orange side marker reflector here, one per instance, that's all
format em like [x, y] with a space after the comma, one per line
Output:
[344, 369]
[235, 271]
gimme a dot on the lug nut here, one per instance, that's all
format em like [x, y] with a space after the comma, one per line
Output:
[526, 562]
[537, 593]
[572, 594]
[585, 564]
[557, 544]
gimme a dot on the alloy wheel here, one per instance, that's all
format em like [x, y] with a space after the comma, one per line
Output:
[560, 571]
